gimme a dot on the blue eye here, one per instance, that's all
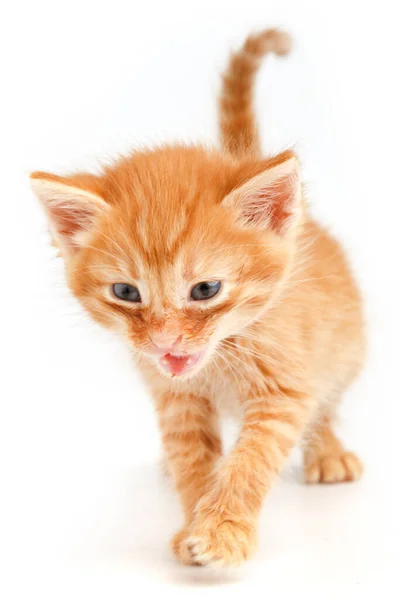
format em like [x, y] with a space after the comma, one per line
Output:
[127, 292]
[205, 290]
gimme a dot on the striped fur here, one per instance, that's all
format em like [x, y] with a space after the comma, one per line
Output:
[280, 343]
[239, 134]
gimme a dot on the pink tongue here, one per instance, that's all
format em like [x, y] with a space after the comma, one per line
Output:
[176, 364]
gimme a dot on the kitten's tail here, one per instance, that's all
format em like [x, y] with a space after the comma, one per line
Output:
[238, 128]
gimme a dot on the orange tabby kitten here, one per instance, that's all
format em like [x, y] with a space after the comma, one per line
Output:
[232, 297]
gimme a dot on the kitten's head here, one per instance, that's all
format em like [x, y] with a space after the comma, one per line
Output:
[178, 248]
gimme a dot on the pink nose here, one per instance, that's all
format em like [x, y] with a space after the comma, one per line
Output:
[165, 342]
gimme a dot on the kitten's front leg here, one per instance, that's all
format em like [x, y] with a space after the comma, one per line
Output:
[189, 428]
[224, 529]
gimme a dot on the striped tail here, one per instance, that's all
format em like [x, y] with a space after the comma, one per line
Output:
[238, 127]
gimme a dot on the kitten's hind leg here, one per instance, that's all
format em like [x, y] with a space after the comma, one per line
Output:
[325, 459]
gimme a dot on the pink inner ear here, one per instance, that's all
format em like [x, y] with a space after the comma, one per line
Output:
[271, 205]
[71, 219]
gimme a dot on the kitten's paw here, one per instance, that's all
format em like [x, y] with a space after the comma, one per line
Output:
[181, 549]
[334, 468]
[218, 542]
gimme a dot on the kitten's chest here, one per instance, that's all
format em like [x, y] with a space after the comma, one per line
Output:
[227, 399]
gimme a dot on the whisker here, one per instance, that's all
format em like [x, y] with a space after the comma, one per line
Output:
[266, 359]
[102, 251]
[111, 240]
[231, 367]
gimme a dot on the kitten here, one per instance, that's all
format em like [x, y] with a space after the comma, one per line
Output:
[231, 296]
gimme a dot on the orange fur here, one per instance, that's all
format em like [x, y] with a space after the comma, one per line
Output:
[279, 344]
[238, 128]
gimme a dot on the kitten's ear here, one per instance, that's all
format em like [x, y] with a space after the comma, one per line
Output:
[72, 211]
[270, 200]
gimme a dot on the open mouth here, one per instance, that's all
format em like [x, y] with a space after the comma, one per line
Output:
[179, 364]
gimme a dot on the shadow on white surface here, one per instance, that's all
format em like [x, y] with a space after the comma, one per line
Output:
[318, 534]
[137, 538]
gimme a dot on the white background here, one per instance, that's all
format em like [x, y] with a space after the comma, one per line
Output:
[84, 510]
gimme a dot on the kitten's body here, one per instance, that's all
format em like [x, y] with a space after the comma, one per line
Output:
[277, 345]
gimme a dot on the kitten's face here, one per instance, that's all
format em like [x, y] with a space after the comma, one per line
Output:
[179, 294]
[172, 259]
